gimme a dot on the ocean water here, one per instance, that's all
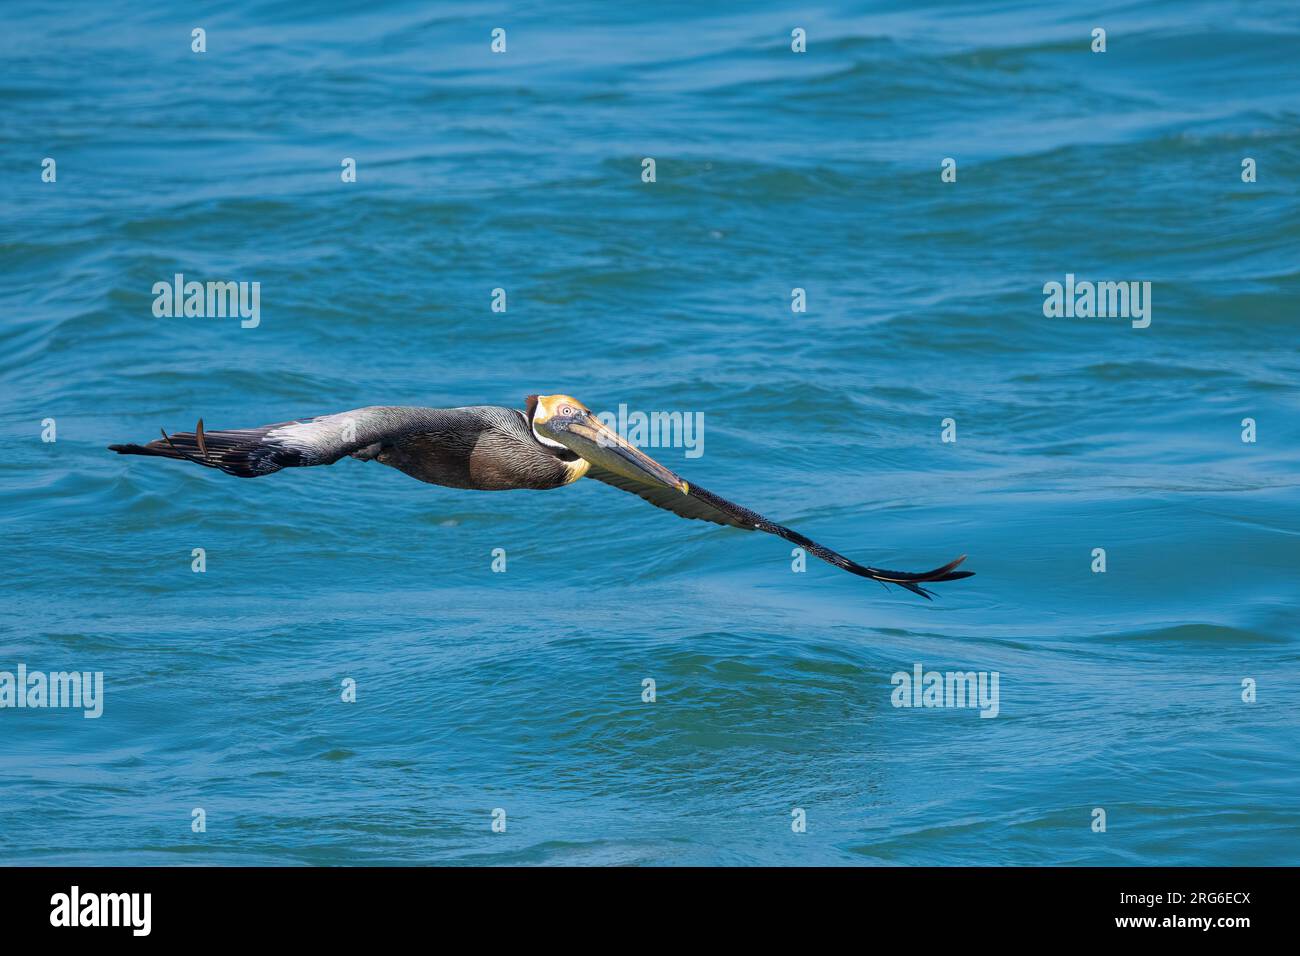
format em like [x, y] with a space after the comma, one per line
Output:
[479, 691]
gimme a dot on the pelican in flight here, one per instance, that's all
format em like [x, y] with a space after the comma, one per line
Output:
[554, 442]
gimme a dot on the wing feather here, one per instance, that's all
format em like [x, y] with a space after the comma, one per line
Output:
[670, 499]
[252, 452]
[704, 505]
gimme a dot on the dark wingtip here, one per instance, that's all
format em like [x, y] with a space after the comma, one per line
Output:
[938, 573]
[915, 589]
[913, 581]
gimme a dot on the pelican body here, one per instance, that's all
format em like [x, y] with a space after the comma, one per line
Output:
[553, 442]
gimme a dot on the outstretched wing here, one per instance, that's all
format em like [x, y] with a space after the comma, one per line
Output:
[704, 505]
[252, 452]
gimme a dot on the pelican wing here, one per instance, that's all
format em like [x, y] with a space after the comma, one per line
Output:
[670, 499]
[702, 504]
[252, 452]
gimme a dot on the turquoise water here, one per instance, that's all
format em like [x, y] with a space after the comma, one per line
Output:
[523, 690]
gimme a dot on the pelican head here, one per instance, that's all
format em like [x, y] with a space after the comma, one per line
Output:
[560, 421]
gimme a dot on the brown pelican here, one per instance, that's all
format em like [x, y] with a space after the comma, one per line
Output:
[554, 442]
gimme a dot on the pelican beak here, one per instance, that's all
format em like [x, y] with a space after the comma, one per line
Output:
[586, 435]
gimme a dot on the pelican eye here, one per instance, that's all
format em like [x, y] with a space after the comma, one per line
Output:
[566, 410]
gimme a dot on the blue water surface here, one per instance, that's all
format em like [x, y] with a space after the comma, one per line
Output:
[522, 691]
